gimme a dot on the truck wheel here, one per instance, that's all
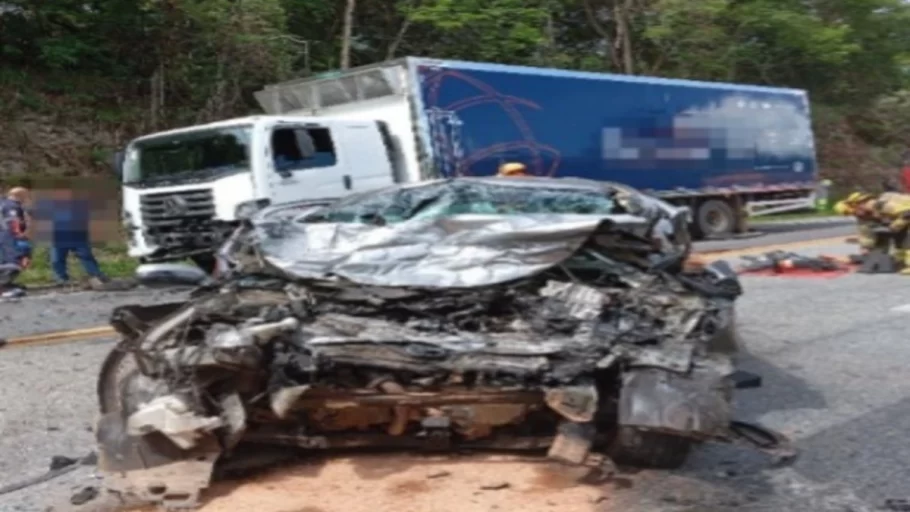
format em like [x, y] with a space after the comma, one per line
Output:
[206, 262]
[715, 218]
[639, 448]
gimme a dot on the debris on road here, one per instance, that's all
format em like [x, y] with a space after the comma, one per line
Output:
[59, 466]
[495, 486]
[793, 264]
[61, 461]
[897, 505]
[569, 333]
[84, 495]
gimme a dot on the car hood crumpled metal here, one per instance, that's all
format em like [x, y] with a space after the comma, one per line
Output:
[459, 251]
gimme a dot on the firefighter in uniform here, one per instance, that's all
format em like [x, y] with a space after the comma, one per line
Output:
[512, 169]
[861, 205]
[893, 210]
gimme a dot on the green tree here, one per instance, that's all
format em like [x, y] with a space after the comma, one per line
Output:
[491, 30]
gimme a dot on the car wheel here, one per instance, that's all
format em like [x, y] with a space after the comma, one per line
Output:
[117, 367]
[640, 448]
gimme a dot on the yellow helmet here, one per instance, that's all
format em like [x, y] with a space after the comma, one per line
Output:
[512, 169]
[857, 197]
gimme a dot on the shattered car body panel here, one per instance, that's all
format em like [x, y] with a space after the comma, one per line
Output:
[518, 331]
[490, 204]
[462, 251]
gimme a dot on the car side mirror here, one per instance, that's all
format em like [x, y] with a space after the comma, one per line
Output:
[305, 143]
[117, 163]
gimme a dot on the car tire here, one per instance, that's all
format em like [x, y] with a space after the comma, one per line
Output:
[714, 218]
[118, 366]
[640, 448]
[725, 340]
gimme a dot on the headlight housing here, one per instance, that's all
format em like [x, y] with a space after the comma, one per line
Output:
[247, 209]
[126, 220]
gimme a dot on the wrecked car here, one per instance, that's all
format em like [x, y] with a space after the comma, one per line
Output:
[469, 313]
[666, 225]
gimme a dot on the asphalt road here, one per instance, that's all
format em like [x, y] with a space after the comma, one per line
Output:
[77, 310]
[783, 232]
[832, 353]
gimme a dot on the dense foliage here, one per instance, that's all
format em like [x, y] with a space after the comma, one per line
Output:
[180, 61]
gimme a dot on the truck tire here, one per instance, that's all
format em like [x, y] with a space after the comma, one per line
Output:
[714, 218]
[639, 448]
[206, 262]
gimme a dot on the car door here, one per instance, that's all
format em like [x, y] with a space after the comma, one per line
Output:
[305, 161]
[371, 162]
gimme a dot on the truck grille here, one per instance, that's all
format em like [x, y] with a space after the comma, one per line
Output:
[170, 209]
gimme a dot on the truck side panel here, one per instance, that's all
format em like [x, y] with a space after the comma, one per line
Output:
[393, 110]
[653, 134]
[379, 92]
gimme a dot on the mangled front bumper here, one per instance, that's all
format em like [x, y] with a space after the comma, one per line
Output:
[151, 469]
[165, 453]
[695, 406]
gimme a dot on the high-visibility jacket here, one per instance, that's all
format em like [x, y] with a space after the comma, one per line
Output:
[893, 209]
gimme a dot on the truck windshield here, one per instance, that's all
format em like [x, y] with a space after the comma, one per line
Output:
[188, 156]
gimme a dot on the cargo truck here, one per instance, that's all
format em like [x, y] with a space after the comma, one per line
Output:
[727, 151]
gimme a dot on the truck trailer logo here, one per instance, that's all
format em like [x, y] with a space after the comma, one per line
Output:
[445, 136]
[175, 206]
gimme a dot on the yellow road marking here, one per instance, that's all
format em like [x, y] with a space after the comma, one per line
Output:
[53, 338]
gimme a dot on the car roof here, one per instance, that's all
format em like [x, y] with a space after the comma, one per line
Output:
[544, 183]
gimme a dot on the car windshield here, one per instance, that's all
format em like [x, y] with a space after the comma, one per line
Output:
[188, 155]
[444, 200]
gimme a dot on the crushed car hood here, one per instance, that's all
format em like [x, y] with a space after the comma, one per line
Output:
[461, 251]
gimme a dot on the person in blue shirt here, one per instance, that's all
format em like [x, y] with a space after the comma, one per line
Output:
[69, 218]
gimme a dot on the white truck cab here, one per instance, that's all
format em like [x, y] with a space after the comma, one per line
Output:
[185, 190]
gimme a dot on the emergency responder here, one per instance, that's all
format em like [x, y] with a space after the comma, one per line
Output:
[12, 220]
[18, 198]
[893, 210]
[512, 169]
[861, 206]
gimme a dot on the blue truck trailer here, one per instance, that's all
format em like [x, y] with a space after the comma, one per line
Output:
[727, 151]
